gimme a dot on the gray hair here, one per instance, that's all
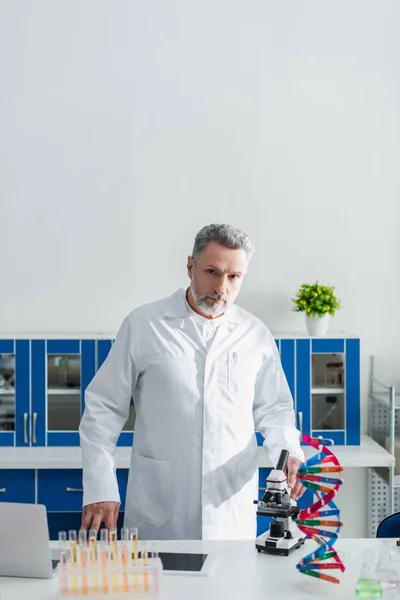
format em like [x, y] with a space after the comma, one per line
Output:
[223, 234]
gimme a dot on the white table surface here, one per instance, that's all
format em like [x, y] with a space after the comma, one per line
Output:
[238, 572]
[368, 454]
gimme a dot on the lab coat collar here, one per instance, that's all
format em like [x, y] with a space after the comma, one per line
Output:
[176, 308]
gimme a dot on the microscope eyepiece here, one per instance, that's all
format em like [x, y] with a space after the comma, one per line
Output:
[282, 460]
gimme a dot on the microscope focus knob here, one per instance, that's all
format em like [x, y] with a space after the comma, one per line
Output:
[276, 529]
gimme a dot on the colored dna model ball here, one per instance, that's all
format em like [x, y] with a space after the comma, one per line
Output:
[323, 513]
[110, 567]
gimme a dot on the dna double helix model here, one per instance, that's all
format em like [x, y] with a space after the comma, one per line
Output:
[323, 513]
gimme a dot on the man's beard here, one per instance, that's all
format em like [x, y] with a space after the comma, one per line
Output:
[211, 310]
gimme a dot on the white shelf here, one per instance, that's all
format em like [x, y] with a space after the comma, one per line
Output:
[7, 392]
[62, 391]
[327, 390]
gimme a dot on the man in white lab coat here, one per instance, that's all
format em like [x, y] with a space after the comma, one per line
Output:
[204, 375]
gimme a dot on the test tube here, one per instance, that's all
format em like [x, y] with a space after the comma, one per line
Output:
[72, 546]
[93, 555]
[145, 566]
[62, 540]
[104, 559]
[124, 556]
[134, 543]
[153, 554]
[113, 544]
[73, 561]
[82, 547]
[83, 558]
[93, 546]
[133, 534]
[124, 546]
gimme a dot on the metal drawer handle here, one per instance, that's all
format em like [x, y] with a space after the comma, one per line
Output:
[2, 490]
[25, 428]
[71, 489]
[34, 418]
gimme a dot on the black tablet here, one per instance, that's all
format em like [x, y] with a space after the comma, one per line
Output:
[180, 561]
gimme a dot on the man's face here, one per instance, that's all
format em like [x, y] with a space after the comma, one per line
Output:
[216, 278]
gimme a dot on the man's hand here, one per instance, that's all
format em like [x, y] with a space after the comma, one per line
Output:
[95, 514]
[297, 489]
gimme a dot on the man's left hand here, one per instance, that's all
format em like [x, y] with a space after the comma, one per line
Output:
[297, 488]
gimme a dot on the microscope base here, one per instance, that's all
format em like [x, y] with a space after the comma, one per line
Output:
[265, 543]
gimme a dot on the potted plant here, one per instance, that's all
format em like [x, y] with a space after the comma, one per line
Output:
[319, 303]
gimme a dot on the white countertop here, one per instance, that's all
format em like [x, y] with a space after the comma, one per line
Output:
[368, 454]
[110, 336]
[238, 571]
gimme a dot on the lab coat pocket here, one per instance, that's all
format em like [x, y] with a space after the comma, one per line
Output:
[149, 490]
[242, 372]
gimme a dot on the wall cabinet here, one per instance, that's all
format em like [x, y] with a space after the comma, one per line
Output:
[324, 378]
[43, 383]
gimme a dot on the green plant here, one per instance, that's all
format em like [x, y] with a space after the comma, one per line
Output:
[317, 300]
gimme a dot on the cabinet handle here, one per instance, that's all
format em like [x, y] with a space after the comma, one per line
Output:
[2, 490]
[71, 489]
[262, 489]
[300, 415]
[34, 418]
[25, 428]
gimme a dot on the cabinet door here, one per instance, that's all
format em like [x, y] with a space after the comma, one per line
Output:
[61, 371]
[303, 385]
[353, 424]
[287, 359]
[328, 398]
[14, 392]
[126, 437]
[17, 485]
[60, 490]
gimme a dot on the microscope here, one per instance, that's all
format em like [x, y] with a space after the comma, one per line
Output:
[283, 534]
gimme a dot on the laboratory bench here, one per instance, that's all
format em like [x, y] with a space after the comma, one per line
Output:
[236, 571]
[368, 454]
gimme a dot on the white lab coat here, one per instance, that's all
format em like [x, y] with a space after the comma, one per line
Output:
[194, 463]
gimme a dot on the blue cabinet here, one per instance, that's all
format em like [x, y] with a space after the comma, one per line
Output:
[60, 490]
[323, 375]
[17, 485]
[61, 371]
[43, 383]
[327, 393]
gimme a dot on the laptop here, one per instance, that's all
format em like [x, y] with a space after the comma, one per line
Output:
[24, 541]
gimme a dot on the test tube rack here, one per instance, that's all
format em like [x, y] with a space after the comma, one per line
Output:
[137, 580]
[116, 571]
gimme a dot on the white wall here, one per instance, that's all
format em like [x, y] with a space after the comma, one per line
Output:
[127, 125]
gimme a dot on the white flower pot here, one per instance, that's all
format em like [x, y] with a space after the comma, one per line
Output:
[317, 325]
